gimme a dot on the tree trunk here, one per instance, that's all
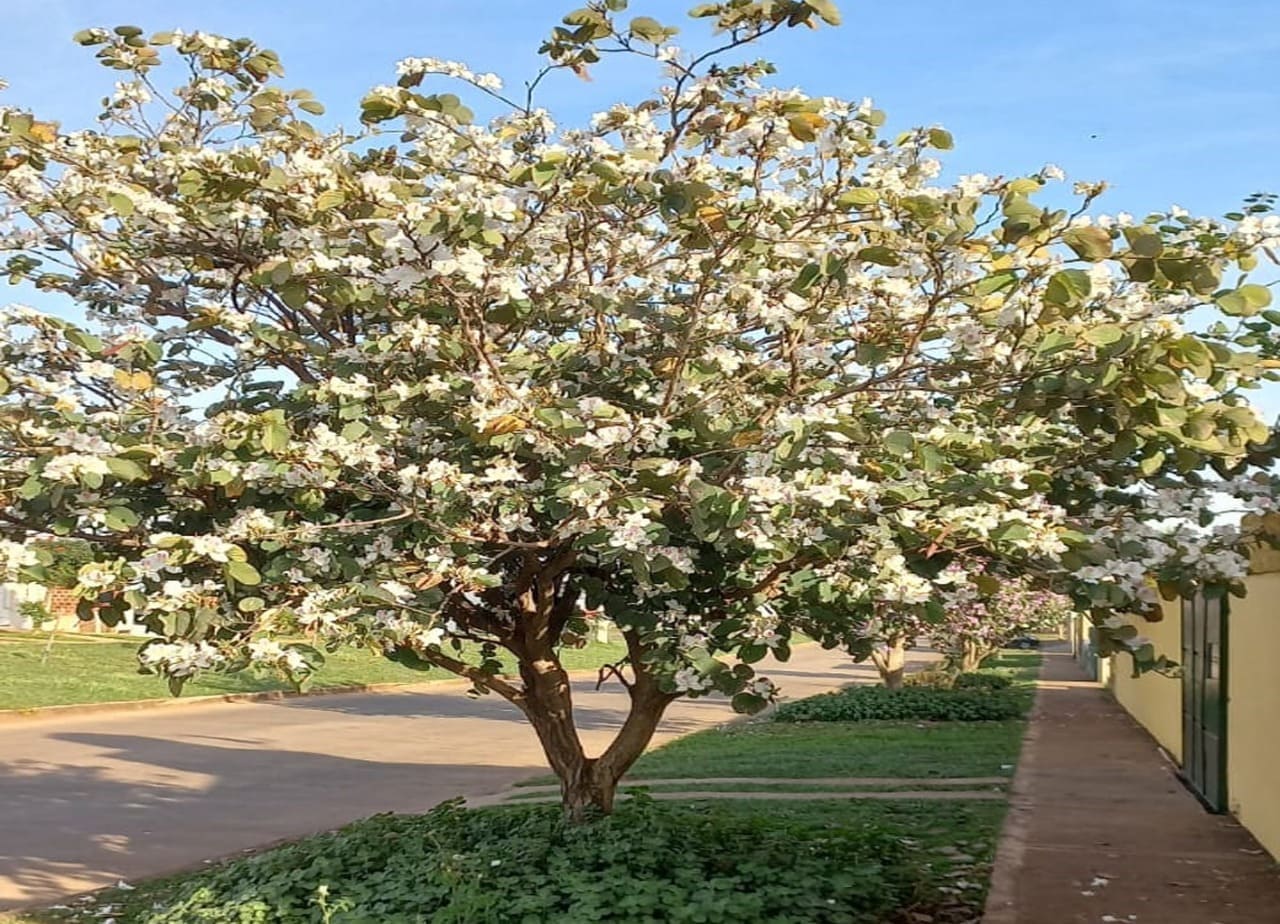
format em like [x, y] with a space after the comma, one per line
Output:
[589, 791]
[972, 655]
[891, 661]
[587, 785]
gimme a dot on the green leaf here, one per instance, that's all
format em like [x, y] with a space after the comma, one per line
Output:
[1068, 288]
[1256, 296]
[120, 519]
[1245, 301]
[899, 442]
[996, 281]
[1144, 241]
[648, 29]
[243, 572]
[126, 469]
[858, 196]
[85, 341]
[275, 436]
[191, 183]
[121, 204]
[1013, 532]
[1232, 303]
[311, 654]
[802, 127]
[882, 256]
[1151, 462]
[1089, 243]
[330, 199]
[1103, 334]
[808, 276]
[1141, 270]
[1054, 341]
[1022, 212]
[941, 139]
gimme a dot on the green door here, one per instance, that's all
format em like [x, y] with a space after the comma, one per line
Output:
[1204, 700]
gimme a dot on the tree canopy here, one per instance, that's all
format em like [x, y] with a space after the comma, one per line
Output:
[719, 361]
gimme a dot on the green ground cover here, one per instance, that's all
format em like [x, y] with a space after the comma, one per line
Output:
[745, 859]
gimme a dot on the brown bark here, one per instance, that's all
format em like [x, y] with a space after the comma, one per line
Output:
[541, 603]
[970, 657]
[588, 784]
[891, 661]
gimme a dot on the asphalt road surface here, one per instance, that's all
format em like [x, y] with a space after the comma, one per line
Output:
[88, 800]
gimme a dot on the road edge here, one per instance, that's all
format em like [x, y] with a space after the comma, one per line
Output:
[1011, 847]
[138, 705]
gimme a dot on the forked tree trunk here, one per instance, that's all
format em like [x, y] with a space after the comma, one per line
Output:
[891, 661]
[587, 784]
[971, 655]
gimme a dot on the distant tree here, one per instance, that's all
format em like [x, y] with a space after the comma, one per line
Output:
[62, 559]
[978, 627]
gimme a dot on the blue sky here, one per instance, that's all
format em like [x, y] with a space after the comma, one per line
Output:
[1171, 101]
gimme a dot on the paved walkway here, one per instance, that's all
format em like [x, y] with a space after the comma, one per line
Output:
[87, 800]
[1101, 831]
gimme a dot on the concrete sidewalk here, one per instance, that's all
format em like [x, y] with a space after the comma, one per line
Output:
[1100, 829]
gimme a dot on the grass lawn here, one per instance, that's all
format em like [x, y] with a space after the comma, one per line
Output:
[97, 670]
[828, 749]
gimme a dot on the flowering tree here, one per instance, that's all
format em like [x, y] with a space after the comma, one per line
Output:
[880, 633]
[718, 361]
[978, 626]
[890, 635]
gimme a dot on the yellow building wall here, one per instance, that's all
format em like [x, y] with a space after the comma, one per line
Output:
[1154, 699]
[1253, 705]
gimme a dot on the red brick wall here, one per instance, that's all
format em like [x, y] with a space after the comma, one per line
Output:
[61, 601]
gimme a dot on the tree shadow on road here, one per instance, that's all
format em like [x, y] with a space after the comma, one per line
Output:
[593, 709]
[150, 805]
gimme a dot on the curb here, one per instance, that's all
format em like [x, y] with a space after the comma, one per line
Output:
[1011, 848]
[16, 716]
[774, 795]
[135, 705]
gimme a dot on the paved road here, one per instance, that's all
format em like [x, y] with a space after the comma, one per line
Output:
[88, 800]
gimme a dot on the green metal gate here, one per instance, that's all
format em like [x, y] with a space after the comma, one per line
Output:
[1204, 699]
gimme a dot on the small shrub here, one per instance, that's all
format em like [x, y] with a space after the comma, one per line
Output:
[647, 862]
[66, 556]
[937, 678]
[981, 681]
[34, 612]
[919, 704]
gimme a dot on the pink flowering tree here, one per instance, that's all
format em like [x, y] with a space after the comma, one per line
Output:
[882, 636]
[976, 626]
[720, 361]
